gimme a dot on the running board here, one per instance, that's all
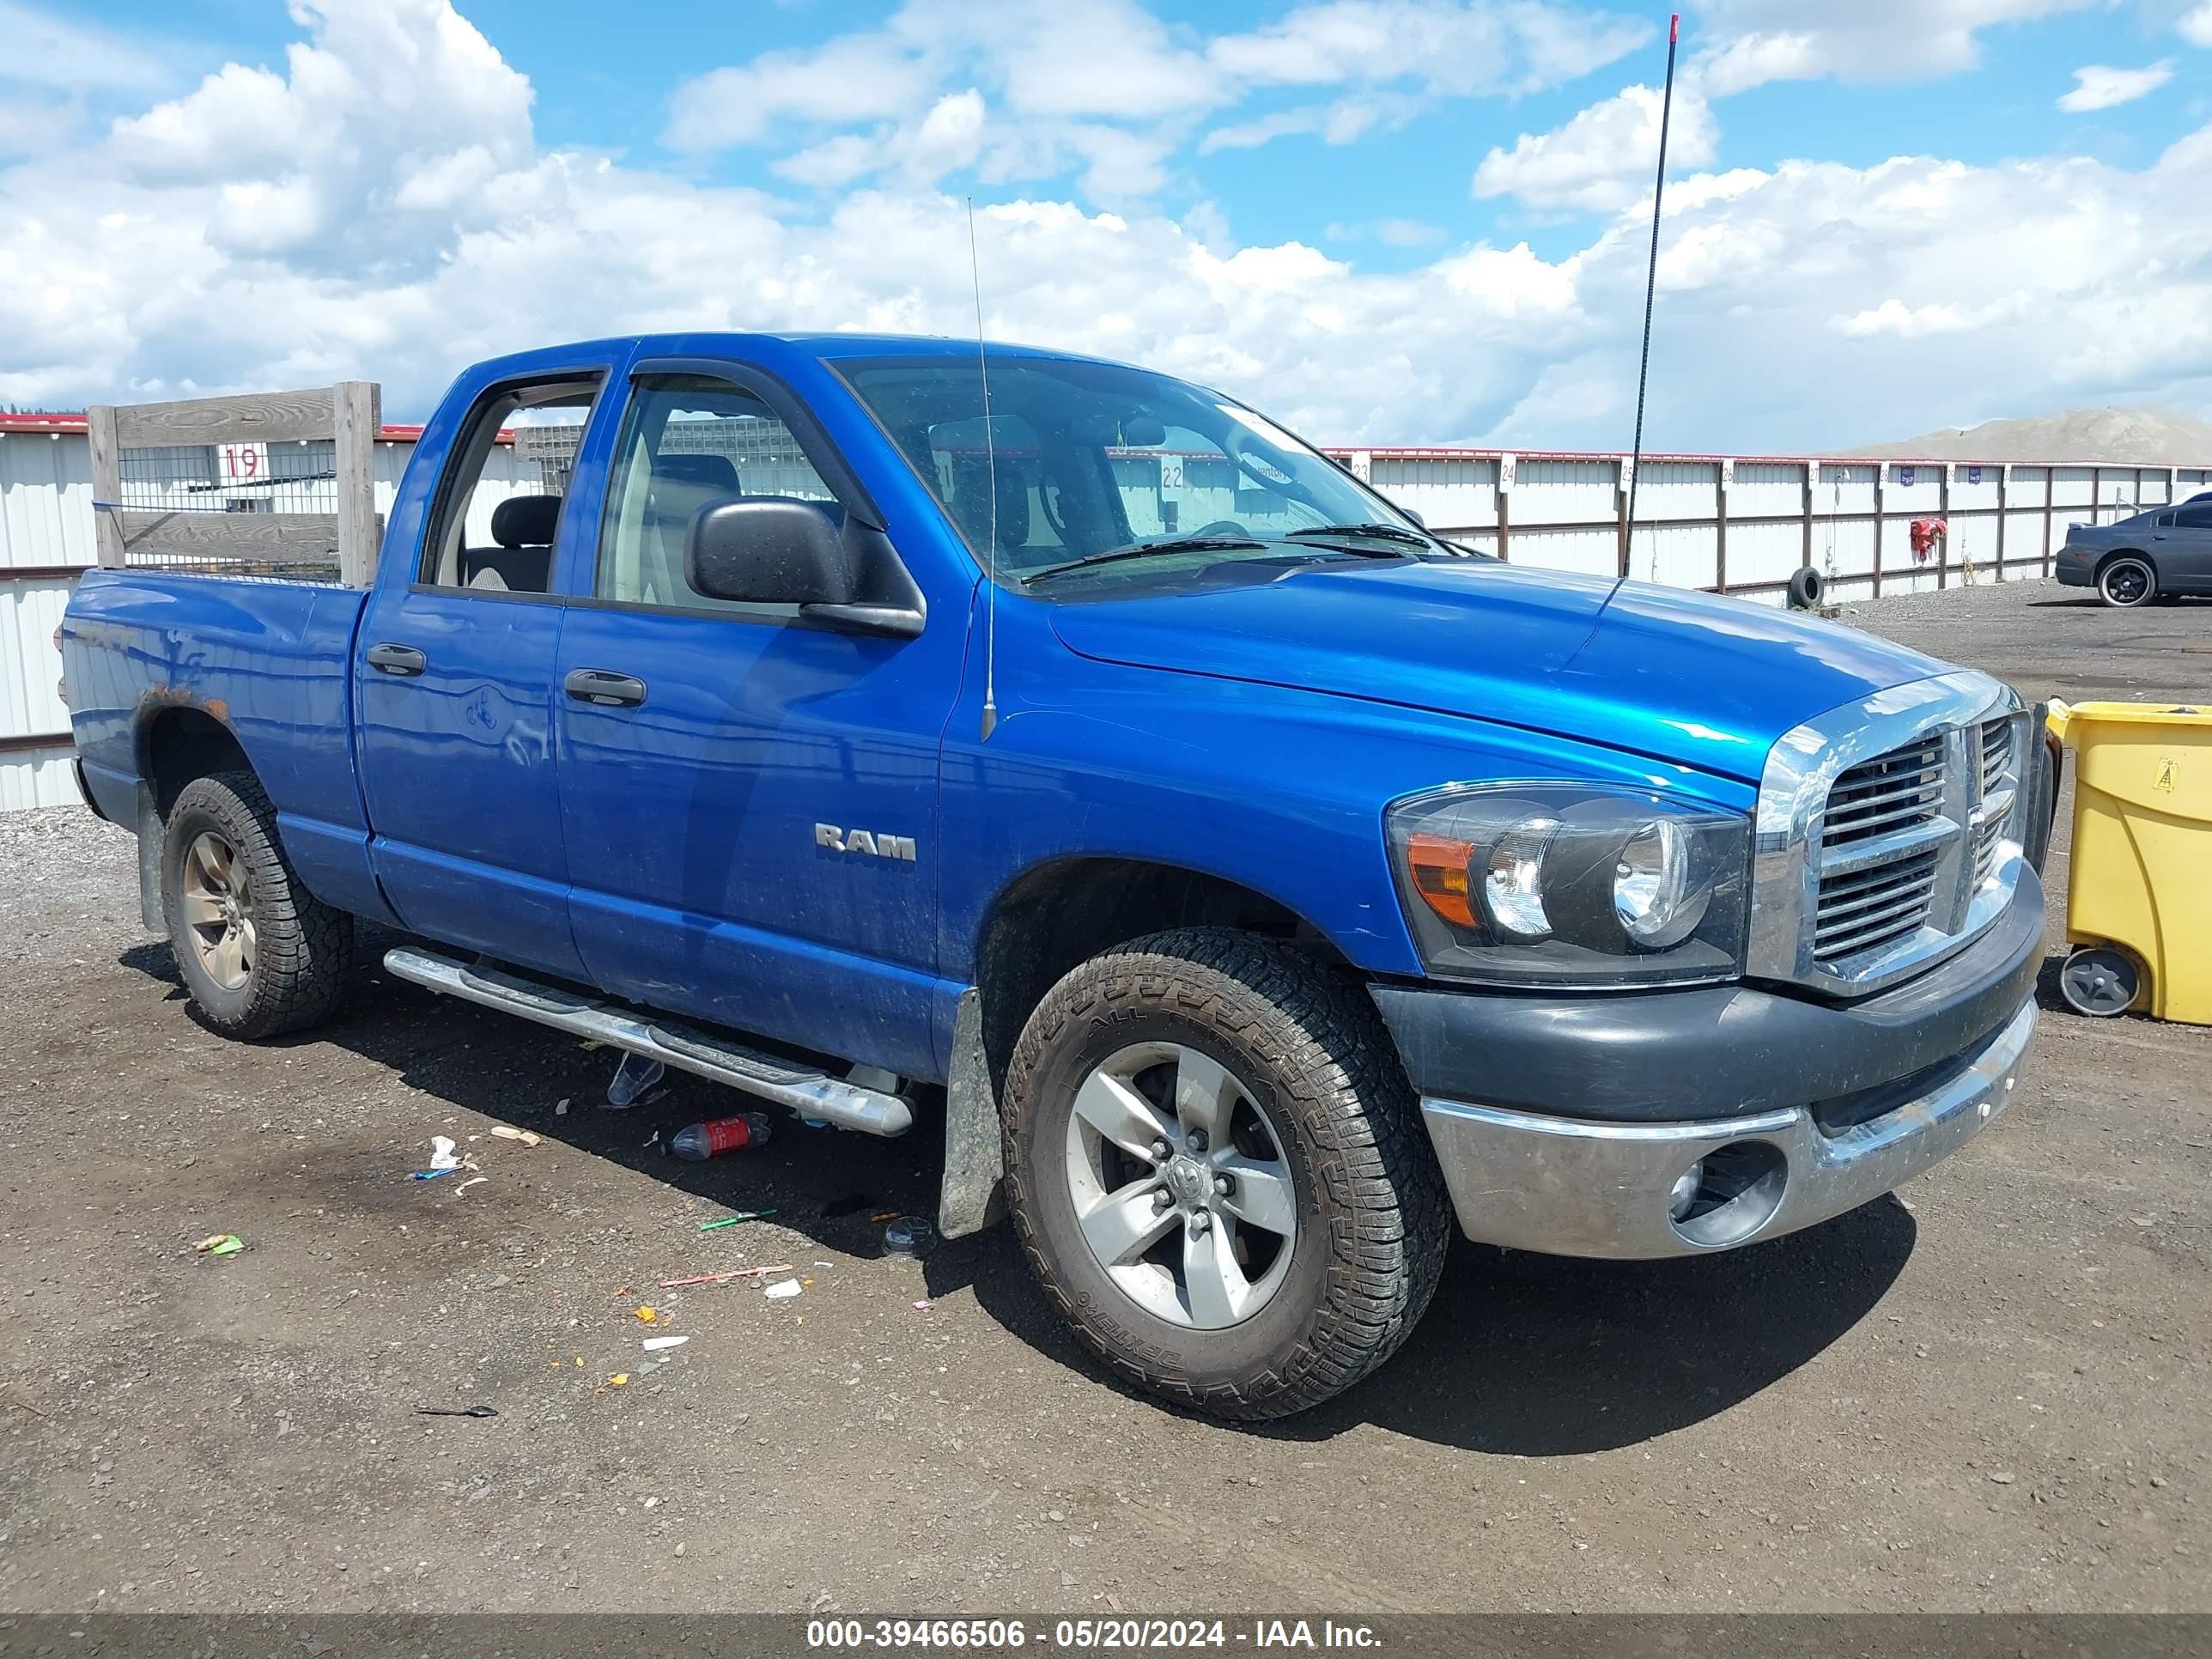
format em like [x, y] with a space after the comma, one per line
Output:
[805, 1091]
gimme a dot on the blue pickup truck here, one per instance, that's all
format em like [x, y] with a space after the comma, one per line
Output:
[1252, 881]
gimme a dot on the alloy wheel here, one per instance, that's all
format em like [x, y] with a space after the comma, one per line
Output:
[1181, 1186]
[218, 904]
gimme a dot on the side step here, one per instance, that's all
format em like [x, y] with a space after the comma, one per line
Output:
[814, 1093]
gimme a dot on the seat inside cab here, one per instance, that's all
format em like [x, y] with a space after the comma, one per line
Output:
[520, 560]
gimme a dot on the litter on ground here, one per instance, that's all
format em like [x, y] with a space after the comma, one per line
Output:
[724, 1278]
[473, 1181]
[648, 1314]
[221, 1244]
[655, 1344]
[456, 1411]
[443, 1154]
[783, 1291]
[733, 1220]
[508, 1131]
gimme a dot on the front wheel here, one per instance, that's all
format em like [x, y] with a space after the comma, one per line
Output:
[260, 954]
[2127, 581]
[1217, 1171]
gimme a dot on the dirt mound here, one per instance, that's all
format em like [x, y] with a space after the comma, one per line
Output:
[2142, 435]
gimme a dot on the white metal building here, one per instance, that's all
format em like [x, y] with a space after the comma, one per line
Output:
[1740, 524]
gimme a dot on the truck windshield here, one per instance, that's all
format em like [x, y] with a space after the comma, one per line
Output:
[1102, 471]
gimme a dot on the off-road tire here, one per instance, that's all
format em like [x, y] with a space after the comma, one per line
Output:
[303, 948]
[1310, 1048]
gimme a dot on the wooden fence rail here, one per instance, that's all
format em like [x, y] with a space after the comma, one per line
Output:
[347, 416]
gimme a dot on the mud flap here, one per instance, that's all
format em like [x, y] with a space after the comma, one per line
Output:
[974, 1194]
[150, 828]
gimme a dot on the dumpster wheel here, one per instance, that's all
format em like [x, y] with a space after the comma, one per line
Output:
[2099, 982]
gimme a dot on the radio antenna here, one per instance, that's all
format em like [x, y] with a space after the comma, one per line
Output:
[1650, 288]
[991, 477]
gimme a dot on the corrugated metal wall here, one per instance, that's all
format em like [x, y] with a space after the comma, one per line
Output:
[1740, 524]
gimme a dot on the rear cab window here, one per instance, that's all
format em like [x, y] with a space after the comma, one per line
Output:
[497, 518]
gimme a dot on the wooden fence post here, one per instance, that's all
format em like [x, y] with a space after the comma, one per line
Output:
[107, 484]
[355, 418]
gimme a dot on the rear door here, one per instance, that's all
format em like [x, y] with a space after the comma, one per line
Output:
[454, 683]
[749, 797]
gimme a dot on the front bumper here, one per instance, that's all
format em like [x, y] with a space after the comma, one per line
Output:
[1570, 1187]
[1562, 1122]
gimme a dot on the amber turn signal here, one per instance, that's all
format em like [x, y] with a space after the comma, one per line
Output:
[1440, 876]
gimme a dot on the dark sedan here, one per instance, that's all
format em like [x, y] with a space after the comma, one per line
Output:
[2161, 554]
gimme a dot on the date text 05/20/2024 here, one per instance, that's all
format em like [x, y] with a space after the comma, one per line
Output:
[988, 1634]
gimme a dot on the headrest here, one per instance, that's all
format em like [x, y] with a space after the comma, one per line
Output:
[715, 474]
[525, 520]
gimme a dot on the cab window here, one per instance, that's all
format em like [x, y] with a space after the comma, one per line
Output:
[687, 441]
[498, 514]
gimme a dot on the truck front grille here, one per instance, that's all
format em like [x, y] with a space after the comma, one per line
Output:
[1869, 908]
[1872, 865]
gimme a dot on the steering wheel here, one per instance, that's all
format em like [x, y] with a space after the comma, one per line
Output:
[1222, 527]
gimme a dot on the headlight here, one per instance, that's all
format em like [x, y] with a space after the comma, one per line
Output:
[1553, 884]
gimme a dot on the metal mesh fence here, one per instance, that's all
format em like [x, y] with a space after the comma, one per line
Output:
[185, 483]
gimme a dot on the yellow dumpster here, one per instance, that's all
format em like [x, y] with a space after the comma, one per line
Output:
[2139, 893]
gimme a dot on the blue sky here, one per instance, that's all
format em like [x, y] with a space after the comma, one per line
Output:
[1392, 220]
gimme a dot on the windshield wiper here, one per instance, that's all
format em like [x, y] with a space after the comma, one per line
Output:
[1388, 532]
[1143, 550]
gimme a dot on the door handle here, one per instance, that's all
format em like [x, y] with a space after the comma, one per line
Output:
[397, 659]
[597, 685]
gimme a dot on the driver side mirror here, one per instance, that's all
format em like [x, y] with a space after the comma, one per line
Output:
[768, 550]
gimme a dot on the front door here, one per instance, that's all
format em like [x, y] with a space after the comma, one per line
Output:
[455, 678]
[749, 798]
[2184, 552]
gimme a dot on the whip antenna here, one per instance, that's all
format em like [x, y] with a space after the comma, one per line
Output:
[991, 477]
[1651, 287]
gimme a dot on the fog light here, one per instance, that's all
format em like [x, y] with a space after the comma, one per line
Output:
[1685, 1191]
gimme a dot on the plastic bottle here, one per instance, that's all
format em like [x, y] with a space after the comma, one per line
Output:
[724, 1135]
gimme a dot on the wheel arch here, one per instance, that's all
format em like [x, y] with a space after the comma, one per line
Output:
[178, 742]
[1065, 910]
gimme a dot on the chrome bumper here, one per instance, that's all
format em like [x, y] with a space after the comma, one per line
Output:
[1570, 1187]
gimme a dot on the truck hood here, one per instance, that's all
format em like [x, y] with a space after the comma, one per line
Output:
[1680, 676]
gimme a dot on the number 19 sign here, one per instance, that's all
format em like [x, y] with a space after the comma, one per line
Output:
[239, 464]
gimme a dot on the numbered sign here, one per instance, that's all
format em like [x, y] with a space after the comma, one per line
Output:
[241, 464]
[1172, 473]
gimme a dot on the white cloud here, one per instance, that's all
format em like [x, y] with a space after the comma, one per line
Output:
[407, 229]
[1108, 85]
[1463, 48]
[857, 77]
[2097, 86]
[51, 51]
[2196, 26]
[1605, 158]
[1407, 233]
[1761, 40]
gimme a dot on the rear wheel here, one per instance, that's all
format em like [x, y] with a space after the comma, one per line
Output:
[2127, 580]
[260, 954]
[2099, 982]
[1217, 1172]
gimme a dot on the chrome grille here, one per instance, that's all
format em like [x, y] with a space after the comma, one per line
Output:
[1996, 754]
[1887, 834]
[1889, 793]
[1869, 908]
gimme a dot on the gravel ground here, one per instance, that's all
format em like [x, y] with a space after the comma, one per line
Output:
[1988, 1393]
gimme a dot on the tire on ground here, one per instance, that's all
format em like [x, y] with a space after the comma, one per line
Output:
[303, 948]
[1312, 1055]
[2121, 573]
